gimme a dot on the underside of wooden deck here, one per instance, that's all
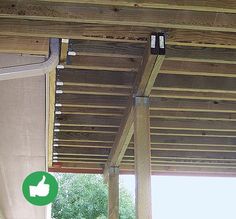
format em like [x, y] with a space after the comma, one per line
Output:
[106, 63]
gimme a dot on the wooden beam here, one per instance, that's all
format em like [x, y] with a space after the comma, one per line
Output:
[64, 50]
[144, 81]
[158, 152]
[113, 193]
[94, 62]
[96, 90]
[107, 48]
[202, 80]
[93, 78]
[83, 13]
[118, 33]
[52, 88]
[142, 152]
[92, 137]
[200, 68]
[192, 105]
[193, 94]
[25, 45]
[201, 54]
[156, 170]
[97, 101]
[157, 103]
[195, 83]
[94, 121]
[203, 5]
[204, 116]
[90, 111]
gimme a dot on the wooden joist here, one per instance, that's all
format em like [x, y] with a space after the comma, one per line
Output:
[93, 77]
[195, 83]
[94, 62]
[106, 48]
[171, 78]
[173, 123]
[157, 156]
[192, 115]
[201, 54]
[200, 68]
[192, 105]
[184, 131]
[192, 94]
[182, 170]
[89, 111]
[157, 103]
[74, 120]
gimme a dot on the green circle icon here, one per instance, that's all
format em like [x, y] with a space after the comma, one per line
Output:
[40, 188]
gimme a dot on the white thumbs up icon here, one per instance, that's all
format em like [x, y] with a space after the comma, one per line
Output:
[41, 190]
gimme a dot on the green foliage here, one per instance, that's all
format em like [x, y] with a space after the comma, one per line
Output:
[86, 197]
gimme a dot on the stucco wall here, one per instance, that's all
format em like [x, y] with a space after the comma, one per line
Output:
[22, 137]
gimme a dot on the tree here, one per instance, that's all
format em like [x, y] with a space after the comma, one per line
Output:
[84, 196]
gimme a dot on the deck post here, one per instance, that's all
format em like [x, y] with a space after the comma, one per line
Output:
[113, 196]
[142, 153]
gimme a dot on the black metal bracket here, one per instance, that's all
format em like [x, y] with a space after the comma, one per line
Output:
[158, 43]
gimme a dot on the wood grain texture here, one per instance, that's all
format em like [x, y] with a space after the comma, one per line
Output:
[99, 121]
[195, 83]
[111, 33]
[103, 63]
[51, 119]
[94, 77]
[199, 68]
[107, 49]
[113, 193]
[142, 157]
[25, 45]
[228, 6]
[201, 54]
[150, 17]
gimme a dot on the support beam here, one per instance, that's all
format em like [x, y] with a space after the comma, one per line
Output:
[25, 45]
[203, 5]
[91, 14]
[52, 88]
[142, 152]
[64, 49]
[111, 33]
[113, 193]
[148, 71]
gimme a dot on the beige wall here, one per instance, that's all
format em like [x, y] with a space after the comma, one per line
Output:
[22, 137]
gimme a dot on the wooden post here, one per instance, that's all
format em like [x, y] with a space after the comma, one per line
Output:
[52, 88]
[64, 50]
[142, 152]
[113, 184]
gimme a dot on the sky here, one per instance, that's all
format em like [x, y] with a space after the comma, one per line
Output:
[175, 197]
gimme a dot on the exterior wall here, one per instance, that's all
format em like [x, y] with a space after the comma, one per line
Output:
[22, 137]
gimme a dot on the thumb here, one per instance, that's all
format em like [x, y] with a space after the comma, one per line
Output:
[42, 181]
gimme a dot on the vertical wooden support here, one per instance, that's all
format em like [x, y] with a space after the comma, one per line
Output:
[64, 50]
[52, 88]
[113, 184]
[142, 152]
